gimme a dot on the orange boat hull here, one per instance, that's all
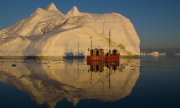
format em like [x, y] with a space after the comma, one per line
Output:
[103, 58]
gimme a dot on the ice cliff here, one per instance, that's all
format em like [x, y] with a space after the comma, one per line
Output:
[49, 32]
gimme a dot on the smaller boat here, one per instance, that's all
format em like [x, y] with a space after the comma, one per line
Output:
[70, 55]
[99, 54]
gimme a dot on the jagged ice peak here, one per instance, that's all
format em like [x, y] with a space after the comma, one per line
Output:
[74, 11]
[40, 10]
[53, 7]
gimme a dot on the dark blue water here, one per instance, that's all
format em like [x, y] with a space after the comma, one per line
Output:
[140, 82]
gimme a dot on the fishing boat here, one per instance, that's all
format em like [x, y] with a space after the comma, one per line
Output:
[98, 54]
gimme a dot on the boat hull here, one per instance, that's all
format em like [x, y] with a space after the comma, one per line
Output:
[103, 58]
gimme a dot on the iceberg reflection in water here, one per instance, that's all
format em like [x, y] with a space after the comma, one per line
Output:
[51, 81]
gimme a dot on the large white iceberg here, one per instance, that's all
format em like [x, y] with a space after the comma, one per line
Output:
[49, 32]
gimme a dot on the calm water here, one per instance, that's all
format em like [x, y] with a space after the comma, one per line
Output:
[140, 82]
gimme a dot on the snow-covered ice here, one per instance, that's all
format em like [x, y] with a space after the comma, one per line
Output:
[49, 32]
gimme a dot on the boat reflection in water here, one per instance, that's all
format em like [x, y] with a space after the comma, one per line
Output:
[98, 66]
[51, 81]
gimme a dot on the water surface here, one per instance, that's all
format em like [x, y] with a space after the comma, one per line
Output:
[136, 82]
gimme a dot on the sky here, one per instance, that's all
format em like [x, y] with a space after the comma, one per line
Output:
[157, 22]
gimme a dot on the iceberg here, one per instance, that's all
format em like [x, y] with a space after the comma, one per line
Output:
[49, 32]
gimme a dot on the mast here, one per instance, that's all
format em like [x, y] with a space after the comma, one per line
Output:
[109, 41]
[91, 41]
[78, 46]
[66, 52]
